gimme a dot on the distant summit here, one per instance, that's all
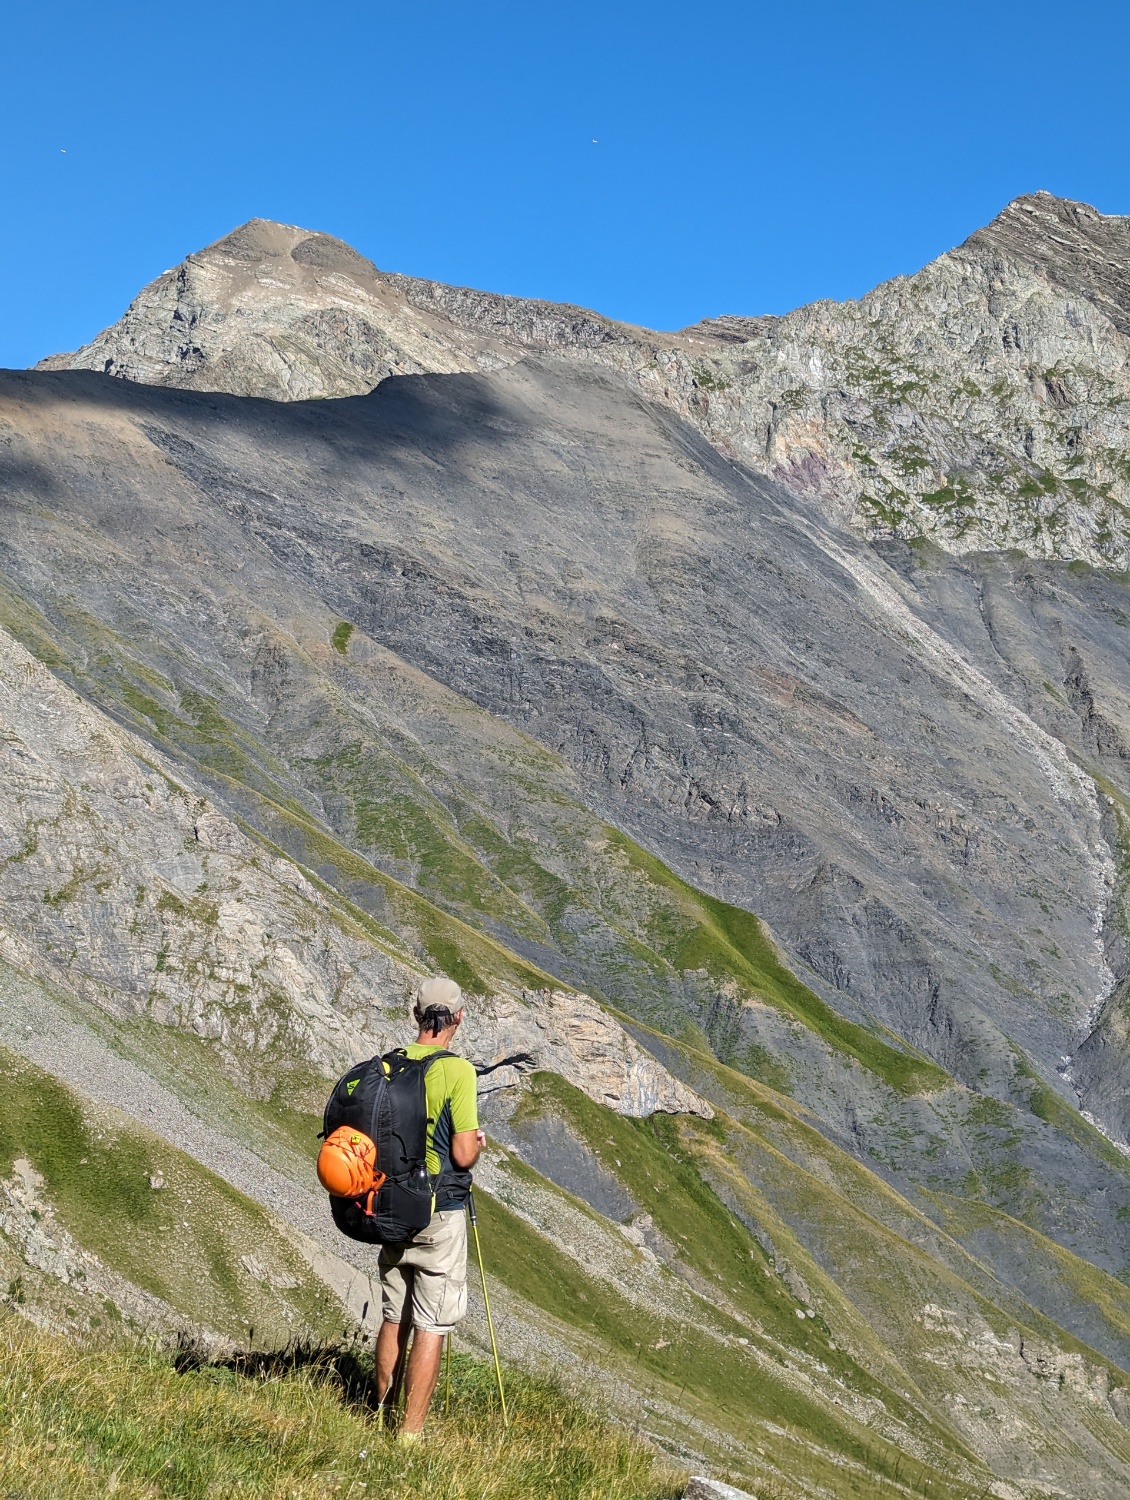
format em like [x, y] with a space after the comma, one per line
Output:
[1072, 244]
[275, 311]
[983, 401]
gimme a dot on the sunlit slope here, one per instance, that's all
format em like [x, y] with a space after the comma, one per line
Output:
[841, 1311]
[142, 1423]
[130, 1257]
[1002, 1257]
[606, 911]
[161, 1244]
[665, 1246]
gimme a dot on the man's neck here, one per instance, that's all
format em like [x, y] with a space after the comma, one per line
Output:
[426, 1039]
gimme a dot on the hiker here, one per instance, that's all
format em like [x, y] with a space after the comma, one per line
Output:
[424, 1278]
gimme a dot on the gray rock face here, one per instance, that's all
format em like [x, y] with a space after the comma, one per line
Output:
[701, 1488]
[894, 762]
[982, 402]
[140, 897]
[327, 694]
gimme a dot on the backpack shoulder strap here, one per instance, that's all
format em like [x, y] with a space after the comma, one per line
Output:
[400, 1055]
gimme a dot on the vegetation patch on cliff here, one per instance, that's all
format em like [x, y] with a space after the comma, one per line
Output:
[693, 930]
[153, 1215]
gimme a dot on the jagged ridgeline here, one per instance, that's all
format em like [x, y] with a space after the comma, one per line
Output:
[741, 716]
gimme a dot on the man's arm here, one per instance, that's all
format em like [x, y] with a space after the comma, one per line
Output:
[465, 1148]
[467, 1139]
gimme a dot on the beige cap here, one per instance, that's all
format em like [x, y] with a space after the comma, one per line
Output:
[440, 991]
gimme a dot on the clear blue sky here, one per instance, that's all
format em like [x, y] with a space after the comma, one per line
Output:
[747, 157]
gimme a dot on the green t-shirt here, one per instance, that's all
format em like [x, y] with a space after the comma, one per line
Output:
[451, 1090]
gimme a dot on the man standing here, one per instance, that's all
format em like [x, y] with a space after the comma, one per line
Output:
[424, 1279]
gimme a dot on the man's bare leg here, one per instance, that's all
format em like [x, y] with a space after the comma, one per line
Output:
[392, 1340]
[423, 1373]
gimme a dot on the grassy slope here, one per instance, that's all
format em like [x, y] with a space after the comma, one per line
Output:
[987, 1228]
[770, 1392]
[183, 1242]
[769, 1396]
[190, 726]
[97, 1168]
[835, 1205]
[693, 930]
[126, 1422]
[710, 1381]
[760, 1233]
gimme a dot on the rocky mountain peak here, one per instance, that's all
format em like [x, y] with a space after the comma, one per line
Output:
[1074, 246]
[983, 402]
[277, 248]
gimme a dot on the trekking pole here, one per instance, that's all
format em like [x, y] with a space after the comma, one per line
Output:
[447, 1379]
[486, 1304]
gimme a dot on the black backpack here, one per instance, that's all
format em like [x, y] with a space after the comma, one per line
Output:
[384, 1097]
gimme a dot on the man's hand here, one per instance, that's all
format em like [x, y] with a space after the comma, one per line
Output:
[481, 1136]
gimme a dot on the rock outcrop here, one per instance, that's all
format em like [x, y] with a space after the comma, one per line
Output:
[701, 1488]
[29, 1224]
[982, 402]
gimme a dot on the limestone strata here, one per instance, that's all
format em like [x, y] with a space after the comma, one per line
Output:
[983, 402]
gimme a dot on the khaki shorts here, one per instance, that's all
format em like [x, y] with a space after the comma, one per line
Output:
[431, 1270]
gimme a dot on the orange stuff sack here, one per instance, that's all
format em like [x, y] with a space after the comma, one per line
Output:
[347, 1164]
